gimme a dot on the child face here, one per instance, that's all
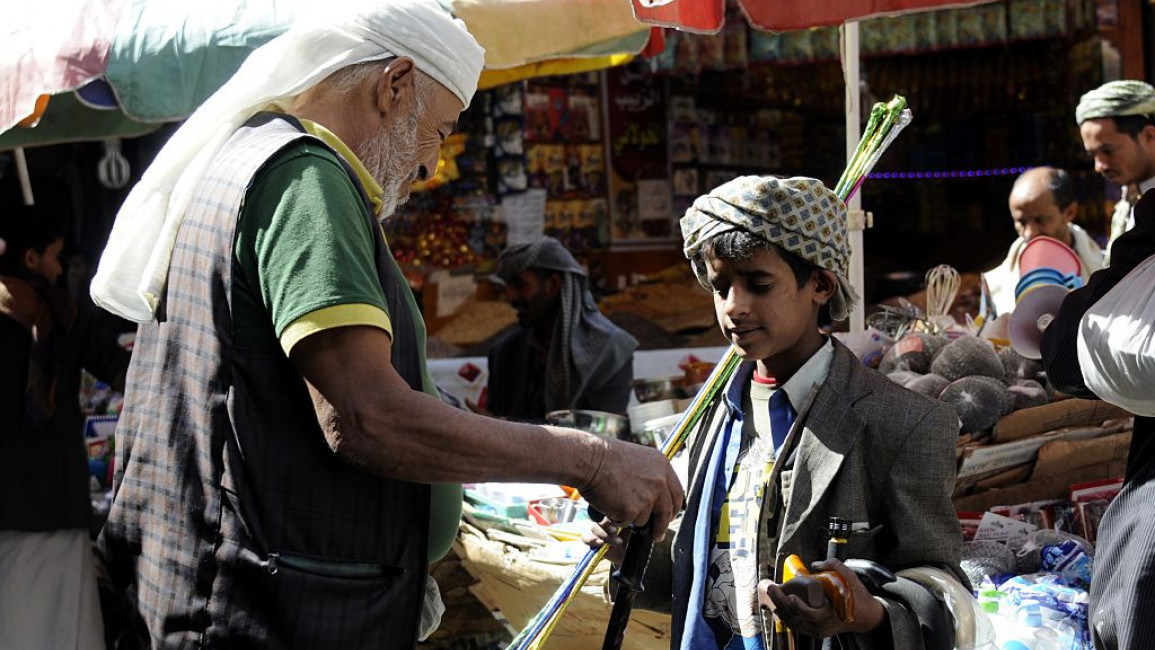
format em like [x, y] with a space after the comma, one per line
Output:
[760, 307]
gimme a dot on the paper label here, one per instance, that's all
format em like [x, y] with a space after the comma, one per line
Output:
[997, 528]
[525, 215]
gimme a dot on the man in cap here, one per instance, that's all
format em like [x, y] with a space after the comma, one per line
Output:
[1117, 124]
[284, 472]
[1042, 203]
[802, 432]
[566, 354]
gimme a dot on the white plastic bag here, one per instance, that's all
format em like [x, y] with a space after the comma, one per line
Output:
[1115, 342]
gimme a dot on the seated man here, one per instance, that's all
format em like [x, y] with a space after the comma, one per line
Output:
[802, 433]
[566, 354]
[1042, 202]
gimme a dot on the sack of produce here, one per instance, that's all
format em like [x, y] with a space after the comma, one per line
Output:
[966, 357]
[979, 401]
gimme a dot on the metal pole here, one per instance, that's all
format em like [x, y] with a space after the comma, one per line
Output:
[22, 172]
[850, 60]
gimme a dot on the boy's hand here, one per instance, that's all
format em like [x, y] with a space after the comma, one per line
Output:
[607, 533]
[823, 622]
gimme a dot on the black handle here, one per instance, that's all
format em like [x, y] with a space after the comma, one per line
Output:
[873, 575]
[629, 576]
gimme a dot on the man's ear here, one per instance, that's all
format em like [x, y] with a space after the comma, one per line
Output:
[1071, 211]
[553, 284]
[31, 259]
[396, 84]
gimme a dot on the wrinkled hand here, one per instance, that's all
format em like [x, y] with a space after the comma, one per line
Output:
[823, 622]
[635, 484]
[606, 533]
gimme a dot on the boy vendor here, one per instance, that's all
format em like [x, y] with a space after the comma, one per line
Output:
[803, 432]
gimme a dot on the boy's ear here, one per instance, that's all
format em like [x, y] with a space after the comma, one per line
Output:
[825, 285]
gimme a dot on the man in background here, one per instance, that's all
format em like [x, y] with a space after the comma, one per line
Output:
[48, 595]
[566, 354]
[1117, 124]
[1042, 203]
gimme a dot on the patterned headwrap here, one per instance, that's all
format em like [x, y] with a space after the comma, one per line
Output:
[586, 347]
[799, 215]
[1116, 99]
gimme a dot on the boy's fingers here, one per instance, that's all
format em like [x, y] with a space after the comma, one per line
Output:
[763, 596]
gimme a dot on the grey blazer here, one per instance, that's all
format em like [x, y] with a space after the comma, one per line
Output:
[862, 448]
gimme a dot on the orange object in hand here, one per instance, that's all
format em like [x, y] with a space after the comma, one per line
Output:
[837, 591]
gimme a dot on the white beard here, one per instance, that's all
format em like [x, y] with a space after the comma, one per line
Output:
[391, 160]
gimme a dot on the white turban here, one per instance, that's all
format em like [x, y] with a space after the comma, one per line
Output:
[1116, 99]
[134, 266]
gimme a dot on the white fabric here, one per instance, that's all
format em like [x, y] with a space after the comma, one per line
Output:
[48, 595]
[1115, 348]
[432, 609]
[134, 266]
[1001, 280]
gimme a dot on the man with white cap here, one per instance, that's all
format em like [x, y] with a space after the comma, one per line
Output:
[1117, 124]
[1116, 121]
[284, 473]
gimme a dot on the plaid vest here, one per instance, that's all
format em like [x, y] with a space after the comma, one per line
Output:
[233, 524]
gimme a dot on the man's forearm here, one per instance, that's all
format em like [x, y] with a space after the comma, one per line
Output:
[412, 436]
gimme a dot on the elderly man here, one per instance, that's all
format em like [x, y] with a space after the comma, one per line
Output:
[1117, 124]
[566, 354]
[284, 473]
[1042, 203]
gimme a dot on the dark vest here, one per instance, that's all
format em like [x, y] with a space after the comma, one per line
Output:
[233, 524]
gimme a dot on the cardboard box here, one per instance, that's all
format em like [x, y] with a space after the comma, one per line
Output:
[996, 478]
[1056, 415]
[1053, 487]
[1064, 456]
[991, 458]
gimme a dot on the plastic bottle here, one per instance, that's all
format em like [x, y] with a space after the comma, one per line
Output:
[1066, 629]
[1030, 633]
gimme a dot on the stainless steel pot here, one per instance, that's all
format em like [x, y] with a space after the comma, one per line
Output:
[660, 388]
[596, 422]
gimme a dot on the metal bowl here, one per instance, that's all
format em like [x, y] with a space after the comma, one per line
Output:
[599, 423]
[659, 388]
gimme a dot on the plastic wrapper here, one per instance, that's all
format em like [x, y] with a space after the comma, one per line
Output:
[913, 352]
[1070, 560]
[868, 345]
[1029, 556]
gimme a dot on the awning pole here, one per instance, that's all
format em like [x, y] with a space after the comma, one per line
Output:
[22, 172]
[849, 54]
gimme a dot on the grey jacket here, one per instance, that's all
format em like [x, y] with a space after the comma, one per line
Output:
[862, 448]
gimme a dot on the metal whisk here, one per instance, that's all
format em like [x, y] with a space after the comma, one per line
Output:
[942, 285]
